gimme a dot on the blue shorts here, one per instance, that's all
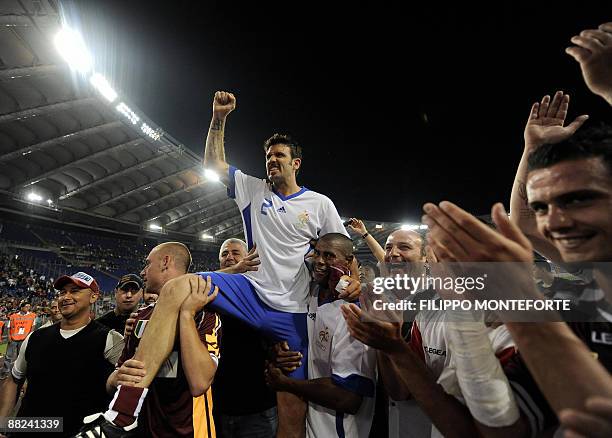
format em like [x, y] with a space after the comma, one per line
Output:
[237, 297]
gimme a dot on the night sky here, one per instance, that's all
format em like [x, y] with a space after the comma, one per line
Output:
[394, 106]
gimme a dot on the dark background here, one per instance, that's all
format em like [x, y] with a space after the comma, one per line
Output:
[394, 105]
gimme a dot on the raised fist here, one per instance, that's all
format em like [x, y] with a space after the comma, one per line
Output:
[223, 104]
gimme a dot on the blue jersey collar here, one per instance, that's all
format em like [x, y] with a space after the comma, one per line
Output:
[286, 198]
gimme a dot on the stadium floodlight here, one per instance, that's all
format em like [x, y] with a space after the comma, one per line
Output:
[34, 197]
[154, 134]
[100, 83]
[207, 236]
[49, 201]
[410, 227]
[71, 47]
[155, 227]
[127, 112]
[211, 175]
[379, 226]
[423, 227]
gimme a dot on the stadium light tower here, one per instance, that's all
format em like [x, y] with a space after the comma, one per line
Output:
[207, 236]
[71, 47]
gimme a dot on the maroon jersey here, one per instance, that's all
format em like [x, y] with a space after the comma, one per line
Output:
[169, 410]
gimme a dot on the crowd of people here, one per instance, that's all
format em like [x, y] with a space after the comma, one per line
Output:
[21, 281]
[290, 336]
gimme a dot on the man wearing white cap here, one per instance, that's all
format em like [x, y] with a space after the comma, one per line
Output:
[81, 353]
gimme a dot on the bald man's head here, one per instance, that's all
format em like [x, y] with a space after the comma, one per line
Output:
[164, 262]
[404, 246]
[339, 241]
[178, 253]
[332, 249]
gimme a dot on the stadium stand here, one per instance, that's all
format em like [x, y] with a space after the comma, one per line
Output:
[51, 252]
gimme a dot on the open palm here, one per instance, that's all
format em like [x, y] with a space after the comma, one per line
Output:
[547, 119]
[593, 50]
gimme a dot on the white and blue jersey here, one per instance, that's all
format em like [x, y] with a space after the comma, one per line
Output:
[274, 298]
[334, 353]
[282, 228]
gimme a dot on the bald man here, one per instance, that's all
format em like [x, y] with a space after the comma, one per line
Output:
[176, 357]
[402, 248]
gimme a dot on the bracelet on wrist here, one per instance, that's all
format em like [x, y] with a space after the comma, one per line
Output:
[363, 236]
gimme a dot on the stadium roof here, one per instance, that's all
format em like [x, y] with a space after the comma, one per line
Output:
[75, 151]
[68, 149]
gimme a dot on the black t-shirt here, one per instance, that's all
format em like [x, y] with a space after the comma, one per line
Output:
[239, 387]
[114, 321]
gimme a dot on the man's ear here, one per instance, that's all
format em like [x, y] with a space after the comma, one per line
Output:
[165, 262]
[349, 259]
[297, 163]
[93, 298]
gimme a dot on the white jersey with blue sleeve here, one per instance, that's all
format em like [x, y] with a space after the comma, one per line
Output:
[349, 363]
[282, 228]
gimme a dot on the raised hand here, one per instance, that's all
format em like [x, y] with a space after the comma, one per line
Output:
[546, 121]
[457, 236]
[357, 226]
[593, 51]
[223, 104]
[250, 263]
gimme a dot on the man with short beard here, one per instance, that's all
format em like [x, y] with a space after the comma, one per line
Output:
[78, 348]
[281, 218]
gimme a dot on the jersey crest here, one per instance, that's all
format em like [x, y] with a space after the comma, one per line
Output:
[303, 219]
